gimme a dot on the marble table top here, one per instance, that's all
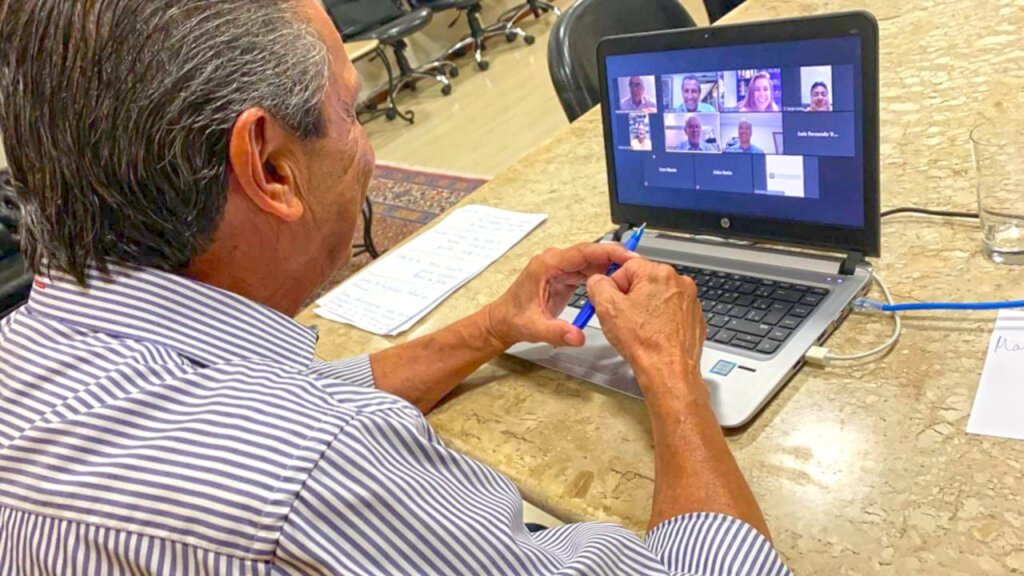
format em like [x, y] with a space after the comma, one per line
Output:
[860, 468]
[359, 49]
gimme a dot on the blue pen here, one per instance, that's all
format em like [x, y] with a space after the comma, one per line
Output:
[587, 312]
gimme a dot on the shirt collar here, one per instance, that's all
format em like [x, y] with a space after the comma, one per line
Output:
[203, 323]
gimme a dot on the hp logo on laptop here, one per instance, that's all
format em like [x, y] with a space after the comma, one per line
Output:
[726, 223]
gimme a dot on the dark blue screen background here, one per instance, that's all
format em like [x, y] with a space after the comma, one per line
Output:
[839, 186]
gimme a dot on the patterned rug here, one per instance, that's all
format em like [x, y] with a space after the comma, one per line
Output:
[404, 200]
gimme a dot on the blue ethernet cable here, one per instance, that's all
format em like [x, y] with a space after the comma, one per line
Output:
[870, 304]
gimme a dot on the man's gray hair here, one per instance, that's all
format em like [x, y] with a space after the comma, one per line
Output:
[117, 115]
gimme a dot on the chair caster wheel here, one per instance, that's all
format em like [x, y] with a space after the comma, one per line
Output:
[529, 39]
[483, 64]
[446, 89]
[390, 114]
[511, 37]
[454, 73]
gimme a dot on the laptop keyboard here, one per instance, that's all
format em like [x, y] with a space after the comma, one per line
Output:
[745, 312]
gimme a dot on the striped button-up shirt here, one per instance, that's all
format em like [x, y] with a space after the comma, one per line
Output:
[151, 424]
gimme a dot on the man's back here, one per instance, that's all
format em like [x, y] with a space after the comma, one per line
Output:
[192, 440]
[155, 425]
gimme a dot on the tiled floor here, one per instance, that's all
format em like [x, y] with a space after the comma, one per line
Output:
[491, 119]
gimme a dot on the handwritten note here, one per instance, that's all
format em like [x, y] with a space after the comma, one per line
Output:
[999, 403]
[393, 293]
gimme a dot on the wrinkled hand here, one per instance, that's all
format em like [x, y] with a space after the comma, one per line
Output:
[528, 311]
[651, 315]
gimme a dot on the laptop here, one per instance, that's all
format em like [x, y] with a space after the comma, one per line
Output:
[751, 153]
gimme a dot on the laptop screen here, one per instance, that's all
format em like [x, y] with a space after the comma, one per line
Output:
[769, 130]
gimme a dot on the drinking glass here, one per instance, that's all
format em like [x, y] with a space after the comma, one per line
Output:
[997, 149]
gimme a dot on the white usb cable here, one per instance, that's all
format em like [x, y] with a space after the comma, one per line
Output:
[822, 356]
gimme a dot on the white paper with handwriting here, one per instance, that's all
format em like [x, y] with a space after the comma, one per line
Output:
[391, 294]
[999, 404]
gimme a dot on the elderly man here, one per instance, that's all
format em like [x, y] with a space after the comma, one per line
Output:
[694, 137]
[191, 172]
[637, 101]
[640, 142]
[744, 130]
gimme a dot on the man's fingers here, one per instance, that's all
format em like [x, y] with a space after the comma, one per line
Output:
[589, 258]
[630, 273]
[602, 290]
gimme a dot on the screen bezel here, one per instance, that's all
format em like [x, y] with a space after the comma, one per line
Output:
[867, 239]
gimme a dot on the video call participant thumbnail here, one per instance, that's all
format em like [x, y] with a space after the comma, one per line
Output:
[743, 145]
[815, 82]
[639, 132]
[637, 94]
[760, 94]
[754, 90]
[691, 90]
[819, 98]
[752, 133]
[691, 133]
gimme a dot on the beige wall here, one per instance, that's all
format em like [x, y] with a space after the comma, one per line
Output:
[438, 37]
[3, 159]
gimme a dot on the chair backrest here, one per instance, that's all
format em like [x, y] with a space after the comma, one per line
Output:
[354, 17]
[10, 215]
[15, 277]
[572, 48]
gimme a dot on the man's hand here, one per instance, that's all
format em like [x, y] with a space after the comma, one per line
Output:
[528, 311]
[653, 318]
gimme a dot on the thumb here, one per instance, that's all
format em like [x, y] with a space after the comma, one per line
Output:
[602, 291]
[560, 333]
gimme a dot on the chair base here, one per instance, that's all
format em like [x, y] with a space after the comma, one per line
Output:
[438, 70]
[505, 26]
[536, 7]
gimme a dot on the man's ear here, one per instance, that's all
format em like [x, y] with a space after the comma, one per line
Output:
[262, 156]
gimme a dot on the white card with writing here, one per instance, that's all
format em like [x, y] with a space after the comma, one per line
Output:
[999, 404]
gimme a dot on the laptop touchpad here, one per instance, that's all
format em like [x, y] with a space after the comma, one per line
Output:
[599, 357]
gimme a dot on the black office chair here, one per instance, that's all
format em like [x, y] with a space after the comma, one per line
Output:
[536, 7]
[572, 49]
[478, 32]
[390, 24]
[15, 277]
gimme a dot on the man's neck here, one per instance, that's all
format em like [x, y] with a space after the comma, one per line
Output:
[280, 291]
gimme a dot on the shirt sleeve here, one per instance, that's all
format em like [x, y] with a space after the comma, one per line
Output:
[388, 498]
[353, 371]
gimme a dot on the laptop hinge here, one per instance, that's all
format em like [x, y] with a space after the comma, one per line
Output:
[622, 229]
[848, 267]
